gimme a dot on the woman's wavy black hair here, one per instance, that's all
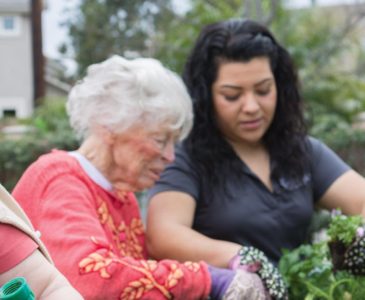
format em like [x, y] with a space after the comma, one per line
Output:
[241, 40]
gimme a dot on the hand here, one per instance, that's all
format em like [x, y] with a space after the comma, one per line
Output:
[235, 285]
[354, 257]
[254, 260]
[235, 264]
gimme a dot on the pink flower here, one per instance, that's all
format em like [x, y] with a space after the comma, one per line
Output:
[360, 232]
[336, 212]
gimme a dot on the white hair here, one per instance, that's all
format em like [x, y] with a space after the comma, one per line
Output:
[120, 93]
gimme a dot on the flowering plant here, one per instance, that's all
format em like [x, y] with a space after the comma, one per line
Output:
[331, 269]
[345, 228]
[346, 243]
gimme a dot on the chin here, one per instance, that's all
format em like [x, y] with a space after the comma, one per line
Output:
[143, 185]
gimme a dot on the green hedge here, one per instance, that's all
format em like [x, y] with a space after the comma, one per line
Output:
[50, 130]
[17, 155]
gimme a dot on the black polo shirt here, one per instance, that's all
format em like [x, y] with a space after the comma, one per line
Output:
[251, 214]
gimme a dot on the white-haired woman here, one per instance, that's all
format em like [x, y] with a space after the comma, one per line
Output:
[129, 114]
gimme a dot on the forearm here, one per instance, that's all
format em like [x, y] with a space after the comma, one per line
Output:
[43, 278]
[346, 193]
[183, 243]
[59, 288]
[170, 234]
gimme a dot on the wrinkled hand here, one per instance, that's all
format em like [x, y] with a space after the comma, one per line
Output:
[235, 264]
[236, 285]
[254, 260]
[246, 286]
[354, 257]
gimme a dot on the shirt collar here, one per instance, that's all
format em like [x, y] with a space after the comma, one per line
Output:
[92, 171]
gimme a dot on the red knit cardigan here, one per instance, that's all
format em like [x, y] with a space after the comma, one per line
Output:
[96, 238]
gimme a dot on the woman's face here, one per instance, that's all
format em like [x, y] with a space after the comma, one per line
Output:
[139, 156]
[244, 99]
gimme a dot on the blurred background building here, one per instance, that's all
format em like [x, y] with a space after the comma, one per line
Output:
[26, 77]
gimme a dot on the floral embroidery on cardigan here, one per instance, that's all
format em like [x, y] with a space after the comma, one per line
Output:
[102, 260]
[98, 262]
[125, 235]
[174, 276]
[192, 266]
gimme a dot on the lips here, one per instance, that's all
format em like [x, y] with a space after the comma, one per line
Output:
[156, 173]
[251, 124]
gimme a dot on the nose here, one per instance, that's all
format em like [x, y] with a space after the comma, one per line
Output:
[250, 104]
[168, 153]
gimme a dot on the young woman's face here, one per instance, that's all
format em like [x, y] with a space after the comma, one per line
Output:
[140, 155]
[244, 99]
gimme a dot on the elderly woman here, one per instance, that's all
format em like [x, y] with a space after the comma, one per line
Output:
[129, 114]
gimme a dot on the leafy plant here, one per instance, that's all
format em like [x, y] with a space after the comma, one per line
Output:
[309, 270]
[344, 228]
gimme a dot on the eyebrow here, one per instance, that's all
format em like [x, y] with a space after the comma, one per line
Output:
[239, 88]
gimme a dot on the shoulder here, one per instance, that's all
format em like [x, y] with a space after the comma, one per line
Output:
[181, 151]
[324, 161]
[19, 246]
[49, 166]
[180, 175]
[182, 158]
[319, 150]
[316, 148]
[57, 161]
[184, 163]
[314, 143]
[55, 157]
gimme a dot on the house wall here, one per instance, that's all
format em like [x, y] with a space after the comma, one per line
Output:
[16, 70]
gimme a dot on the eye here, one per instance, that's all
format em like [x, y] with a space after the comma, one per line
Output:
[263, 92]
[264, 89]
[160, 141]
[231, 97]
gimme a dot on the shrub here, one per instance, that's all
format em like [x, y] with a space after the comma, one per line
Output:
[51, 130]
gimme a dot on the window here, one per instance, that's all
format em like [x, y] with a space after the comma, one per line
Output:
[9, 113]
[9, 25]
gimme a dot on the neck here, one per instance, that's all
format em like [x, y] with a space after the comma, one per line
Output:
[248, 149]
[97, 152]
[257, 158]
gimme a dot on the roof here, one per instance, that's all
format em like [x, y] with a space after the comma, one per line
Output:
[15, 6]
[58, 84]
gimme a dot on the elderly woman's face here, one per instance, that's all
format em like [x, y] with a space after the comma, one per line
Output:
[140, 155]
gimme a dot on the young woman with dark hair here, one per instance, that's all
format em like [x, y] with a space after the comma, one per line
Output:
[247, 175]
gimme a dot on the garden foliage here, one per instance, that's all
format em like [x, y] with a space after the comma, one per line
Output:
[309, 270]
[49, 129]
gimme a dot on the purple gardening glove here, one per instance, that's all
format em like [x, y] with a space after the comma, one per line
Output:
[235, 285]
[221, 279]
